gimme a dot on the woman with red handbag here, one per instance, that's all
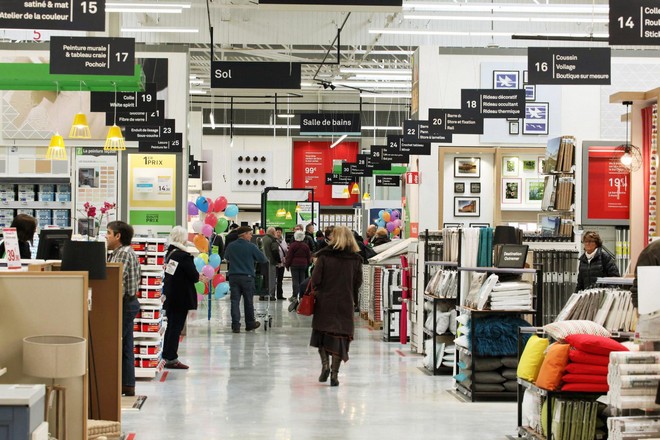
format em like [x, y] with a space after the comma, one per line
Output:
[335, 281]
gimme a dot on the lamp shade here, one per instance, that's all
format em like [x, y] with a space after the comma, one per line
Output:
[86, 256]
[115, 139]
[54, 356]
[80, 127]
[56, 149]
[506, 235]
[355, 189]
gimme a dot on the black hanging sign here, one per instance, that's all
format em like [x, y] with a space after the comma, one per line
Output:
[65, 15]
[376, 3]
[418, 148]
[337, 179]
[383, 180]
[355, 170]
[453, 121]
[634, 23]
[92, 56]
[330, 124]
[126, 101]
[419, 131]
[172, 146]
[254, 75]
[163, 132]
[493, 103]
[569, 65]
[393, 150]
[125, 119]
[364, 160]
[377, 160]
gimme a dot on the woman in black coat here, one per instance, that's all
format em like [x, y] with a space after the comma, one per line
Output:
[336, 279]
[180, 295]
[595, 262]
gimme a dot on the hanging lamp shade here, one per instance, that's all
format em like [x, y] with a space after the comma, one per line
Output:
[346, 193]
[355, 189]
[280, 212]
[288, 215]
[56, 149]
[298, 208]
[366, 196]
[115, 139]
[80, 127]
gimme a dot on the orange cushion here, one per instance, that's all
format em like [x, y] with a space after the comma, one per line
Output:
[593, 344]
[553, 366]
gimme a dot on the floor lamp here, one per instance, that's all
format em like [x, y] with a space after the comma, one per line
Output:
[55, 357]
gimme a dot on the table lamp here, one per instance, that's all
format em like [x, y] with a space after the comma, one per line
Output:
[55, 357]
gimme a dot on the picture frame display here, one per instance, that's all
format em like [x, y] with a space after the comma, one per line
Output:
[480, 225]
[541, 164]
[510, 166]
[511, 191]
[467, 167]
[536, 119]
[514, 127]
[459, 187]
[469, 206]
[534, 190]
[529, 165]
[452, 225]
[475, 187]
[506, 79]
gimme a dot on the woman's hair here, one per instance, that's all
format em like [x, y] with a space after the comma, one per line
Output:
[270, 230]
[592, 235]
[299, 235]
[381, 232]
[342, 239]
[328, 231]
[178, 234]
[26, 226]
[124, 229]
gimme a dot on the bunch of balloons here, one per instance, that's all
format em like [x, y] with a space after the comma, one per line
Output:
[210, 221]
[390, 219]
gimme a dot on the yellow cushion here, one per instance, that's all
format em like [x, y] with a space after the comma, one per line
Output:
[532, 358]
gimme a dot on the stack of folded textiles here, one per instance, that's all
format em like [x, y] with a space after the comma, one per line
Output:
[589, 358]
[633, 379]
[511, 295]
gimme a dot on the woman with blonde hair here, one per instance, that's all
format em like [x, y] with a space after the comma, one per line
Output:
[336, 279]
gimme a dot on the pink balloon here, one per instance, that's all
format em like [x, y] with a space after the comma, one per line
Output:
[398, 223]
[208, 271]
[391, 226]
[207, 230]
[211, 219]
[220, 204]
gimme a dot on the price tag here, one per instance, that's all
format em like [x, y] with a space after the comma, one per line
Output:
[12, 251]
[164, 184]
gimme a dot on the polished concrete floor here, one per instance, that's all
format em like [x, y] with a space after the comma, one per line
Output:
[263, 385]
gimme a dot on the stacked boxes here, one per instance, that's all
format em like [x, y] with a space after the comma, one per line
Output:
[26, 193]
[7, 192]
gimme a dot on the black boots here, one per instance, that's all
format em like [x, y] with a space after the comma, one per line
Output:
[336, 362]
[325, 365]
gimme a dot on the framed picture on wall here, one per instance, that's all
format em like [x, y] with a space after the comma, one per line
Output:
[452, 225]
[536, 118]
[529, 165]
[534, 189]
[506, 79]
[514, 127]
[459, 187]
[480, 225]
[467, 206]
[511, 191]
[541, 164]
[467, 167]
[510, 166]
[530, 92]
[475, 187]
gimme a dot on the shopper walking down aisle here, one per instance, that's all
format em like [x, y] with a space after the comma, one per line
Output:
[298, 258]
[271, 251]
[336, 279]
[282, 248]
[595, 262]
[26, 226]
[119, 236]
[381, 237]
[242, 255]
[180, 295]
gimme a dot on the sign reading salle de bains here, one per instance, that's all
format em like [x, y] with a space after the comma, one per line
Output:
[330, 124]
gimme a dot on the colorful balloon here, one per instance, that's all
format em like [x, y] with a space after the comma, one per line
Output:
[197, 226]
[214, 260]
[231, 211]
[380, 223]
[217, 279]
[211, 219]
[386, 216]
[207, 230]
[201, 243]
[199, 263]
[395, 214]
[208, 271]
[199, 287]
[391, 226]
[398, 223]
[202, 204]
[380, 213]
[209, 202]
[192, 209]
[221, 290]
[204, 256]
[220, 204]
[221, 226]
[396, 231]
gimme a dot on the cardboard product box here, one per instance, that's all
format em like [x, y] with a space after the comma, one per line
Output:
[7, 214]
[147, 347]
[26, 187]
[142, 259]
[26, 196]
[139, 247]
[155, 260]
[62, 214]
[149, 293]
[150, 312]
[43, 216]
[7, 192]
[62, 196]
[150, 327]
[25, 211]
[47, 187]
[63, 187]
[155, 247]
[149, 280]
[46, 196]
[147, 363]
[61, 222]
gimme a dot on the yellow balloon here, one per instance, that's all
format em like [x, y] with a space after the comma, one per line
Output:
[386, 216]
[204, 256]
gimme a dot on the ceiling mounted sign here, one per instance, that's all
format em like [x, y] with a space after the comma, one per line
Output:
[634, 22]
[493, 103]
[172, 146]
[123, 101]
[318, 124]
[342, 5]
[418, 131]
[254, 75]
[66, 15]
[92, 55]
[448, 120]
[569, 65]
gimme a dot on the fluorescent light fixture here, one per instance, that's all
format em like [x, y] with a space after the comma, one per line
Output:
[404, 85]
[375, 77]
[386, 95]
[306, 84]
[483, 33]
[338, 141]
[157, 29]
[197, 92]
[196, 82]
[368, 71]
[144, 10]
[152, 5]
[286, 116]
[212, 119]
[503, 18]
[509, 7]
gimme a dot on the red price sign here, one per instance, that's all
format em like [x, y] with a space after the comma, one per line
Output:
[609, 186]
[13, 254]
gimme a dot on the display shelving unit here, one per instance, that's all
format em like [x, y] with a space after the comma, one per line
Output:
[52, 207]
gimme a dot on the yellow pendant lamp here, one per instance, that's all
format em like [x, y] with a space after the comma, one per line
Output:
[114, 141]
[346, 193]
[355, 189]
[280, 212]
[366, 196]
[80, 127]
[298, 208]
[288, 215]
[56, 149]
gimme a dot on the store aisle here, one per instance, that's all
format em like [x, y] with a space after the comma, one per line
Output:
[264, 385]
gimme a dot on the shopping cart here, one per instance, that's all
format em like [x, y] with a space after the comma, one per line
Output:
[262, 313]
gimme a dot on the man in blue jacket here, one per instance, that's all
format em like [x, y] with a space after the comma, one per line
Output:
[242, 254]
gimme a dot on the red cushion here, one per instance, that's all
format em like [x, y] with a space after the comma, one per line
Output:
[586, 369]
[595, 344]
[586, 358]
[586, 387]
[584, 378]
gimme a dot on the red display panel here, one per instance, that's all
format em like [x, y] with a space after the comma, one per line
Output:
[609, 186]
[313, 159]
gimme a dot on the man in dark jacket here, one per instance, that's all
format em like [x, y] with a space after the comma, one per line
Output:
[242, 254]
[231, 236]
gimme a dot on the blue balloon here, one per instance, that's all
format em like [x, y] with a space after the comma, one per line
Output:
[199, 264]
[202, 204]
[381, 223]
[215, 260]
[380, 213]
[221, 290]
[231, 211]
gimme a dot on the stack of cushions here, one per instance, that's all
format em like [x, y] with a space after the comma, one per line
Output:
[511, 295]
[487, 374]
[497, 336]
[589, 357]
[560, 330]
[532, 358]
